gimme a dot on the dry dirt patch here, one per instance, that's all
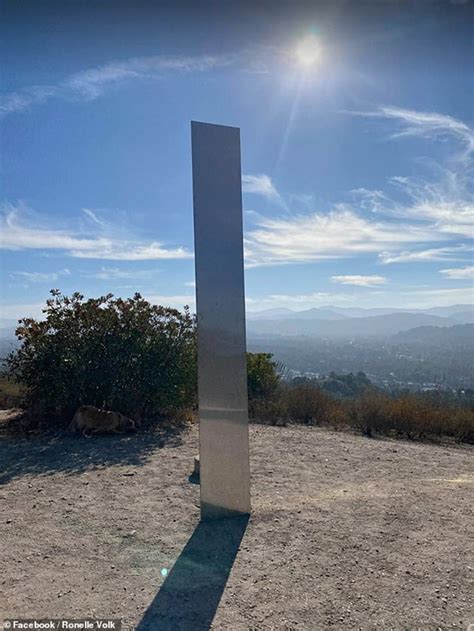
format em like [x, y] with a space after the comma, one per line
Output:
[346, 532]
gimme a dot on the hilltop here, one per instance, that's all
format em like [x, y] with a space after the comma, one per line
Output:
[346, 532]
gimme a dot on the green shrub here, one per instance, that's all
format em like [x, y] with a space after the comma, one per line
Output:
[263, 380]
[125, 355]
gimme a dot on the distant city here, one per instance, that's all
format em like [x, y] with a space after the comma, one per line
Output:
[418, 350]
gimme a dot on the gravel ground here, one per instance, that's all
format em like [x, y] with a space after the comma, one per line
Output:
[346, 533]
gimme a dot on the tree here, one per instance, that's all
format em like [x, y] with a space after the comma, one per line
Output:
[262, 376]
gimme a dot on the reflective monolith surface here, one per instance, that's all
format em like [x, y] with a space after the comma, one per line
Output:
[223, 412]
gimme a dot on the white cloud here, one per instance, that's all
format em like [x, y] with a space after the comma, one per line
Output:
[340, 233]
[445, 201]
[428, 125]
[21, 230]
[423, 124]
[448, 253]
[360, 281]
[92, 214]
[114, 273]
[443, 198]
[190, 283]
[113, 250]
[459, 273]
[91, 83]
[260, 185]
[435, 209]
[40, 277]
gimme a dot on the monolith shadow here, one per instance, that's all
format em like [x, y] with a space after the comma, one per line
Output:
[190, 594]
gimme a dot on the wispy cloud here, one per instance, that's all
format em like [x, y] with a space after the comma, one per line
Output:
[128, 251]
[448, 253]
[428, 125]
[459, 273]
[340, 233]
[360, 281]
[22, 230]
[92, 214]
[436, 208]
[40, 277]
[260, 185]
[17, 101]
[92, 82]
[423, 124]
[115, 273]
[444, 195]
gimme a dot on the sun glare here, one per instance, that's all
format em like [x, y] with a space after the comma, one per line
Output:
[308, 51]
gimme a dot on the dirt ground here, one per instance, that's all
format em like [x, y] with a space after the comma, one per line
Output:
[346, 533]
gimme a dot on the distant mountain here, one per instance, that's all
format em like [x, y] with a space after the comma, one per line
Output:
[363, 312]
[316, 313]
[457, 335]
[455, 311]
[461, 313]
[464, 317]
[321, 313]
[380, 325]
[271, 314]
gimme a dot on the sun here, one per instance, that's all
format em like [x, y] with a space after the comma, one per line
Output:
[308, 51]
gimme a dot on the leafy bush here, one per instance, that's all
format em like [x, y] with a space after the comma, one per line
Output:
[263, 380]
[125, 355]
[266, 403]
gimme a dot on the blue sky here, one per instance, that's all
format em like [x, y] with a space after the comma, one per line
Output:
[357, 149]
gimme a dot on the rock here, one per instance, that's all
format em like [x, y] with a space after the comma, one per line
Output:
[132, 533]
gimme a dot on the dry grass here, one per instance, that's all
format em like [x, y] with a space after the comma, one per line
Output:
[410, 416]
[373, 413]
[11, 393]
